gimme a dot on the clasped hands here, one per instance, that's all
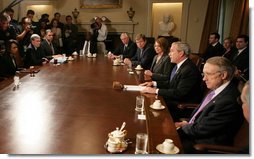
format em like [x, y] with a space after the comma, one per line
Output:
[148, 88]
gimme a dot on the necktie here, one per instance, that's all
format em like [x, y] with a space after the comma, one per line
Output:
[52, 48]
[207, 99]
[238, 52]
[141, 52]
[173, 72]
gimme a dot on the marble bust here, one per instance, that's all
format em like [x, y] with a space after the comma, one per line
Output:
[166, 26]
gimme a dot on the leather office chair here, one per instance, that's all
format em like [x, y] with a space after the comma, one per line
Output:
[197, 59]
[241, 142]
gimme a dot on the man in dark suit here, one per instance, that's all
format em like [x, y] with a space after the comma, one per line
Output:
[70, 36]
[219, 116]
[47, 46]
[215, 48]
[240, 58]
[34, 55]
[184, 82]
[144, 54]
[127, 48]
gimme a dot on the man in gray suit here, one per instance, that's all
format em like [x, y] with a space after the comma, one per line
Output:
[218, 118]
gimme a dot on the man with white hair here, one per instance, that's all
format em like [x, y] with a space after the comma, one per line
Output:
[34, 54]
[127, 48]
[219, 116]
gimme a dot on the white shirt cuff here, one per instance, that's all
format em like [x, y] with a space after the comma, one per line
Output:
[154, 83]
[157, 91]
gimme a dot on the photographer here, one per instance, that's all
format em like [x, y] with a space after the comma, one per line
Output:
[7, 32]
[26, 30]
[100, 31]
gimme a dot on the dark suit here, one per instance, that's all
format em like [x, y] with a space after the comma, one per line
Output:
[128, 52]
[218, 122]
[241, 61]
[8, 65]
[212, 51]
[185, 85]
[34, 56]
[161, 69]
[47, 50]
[146, 59]
[70, 39]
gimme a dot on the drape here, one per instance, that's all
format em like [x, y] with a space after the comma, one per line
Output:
[240, 19]
[211, 23]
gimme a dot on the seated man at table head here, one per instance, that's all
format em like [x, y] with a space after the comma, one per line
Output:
[183, 84]
[34, 54]
[219, 116]
[127, 48]
[161, 65]
[144, 54]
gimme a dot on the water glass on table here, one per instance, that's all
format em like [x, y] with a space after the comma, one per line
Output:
[141, 143]
[129, 67]
[140, 100]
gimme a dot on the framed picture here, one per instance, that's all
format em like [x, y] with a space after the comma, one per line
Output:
[101, 3]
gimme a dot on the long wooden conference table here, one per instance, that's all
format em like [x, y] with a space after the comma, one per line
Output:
[71, 108]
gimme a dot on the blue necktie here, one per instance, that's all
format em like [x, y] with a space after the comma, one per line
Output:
[173, 72]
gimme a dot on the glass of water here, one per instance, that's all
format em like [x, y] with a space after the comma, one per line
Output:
[141, 143]
[140, 100]
[16, 80]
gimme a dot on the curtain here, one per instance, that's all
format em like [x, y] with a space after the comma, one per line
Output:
[240, 19]
[211, 23]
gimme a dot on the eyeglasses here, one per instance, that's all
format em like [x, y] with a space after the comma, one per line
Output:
[209, 74]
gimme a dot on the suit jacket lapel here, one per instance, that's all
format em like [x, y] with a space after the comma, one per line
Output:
[180, 69]
[213, 101]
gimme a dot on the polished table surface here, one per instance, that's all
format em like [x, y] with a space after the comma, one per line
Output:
[71, 108]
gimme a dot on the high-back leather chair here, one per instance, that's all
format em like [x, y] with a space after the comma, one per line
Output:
[241, 143]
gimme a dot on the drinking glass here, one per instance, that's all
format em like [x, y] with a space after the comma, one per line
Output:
[81, 53]
[16, 80]
[129, 67]
[140, 103]
[121, 58]
[141, 143]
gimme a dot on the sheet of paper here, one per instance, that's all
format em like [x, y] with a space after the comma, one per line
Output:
[141, 117]
[133, 87]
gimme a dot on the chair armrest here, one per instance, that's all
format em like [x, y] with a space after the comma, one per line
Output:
[187, 105]
[205, 148]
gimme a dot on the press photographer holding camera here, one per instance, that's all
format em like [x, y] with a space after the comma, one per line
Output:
[100, 32]
[26, 30]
